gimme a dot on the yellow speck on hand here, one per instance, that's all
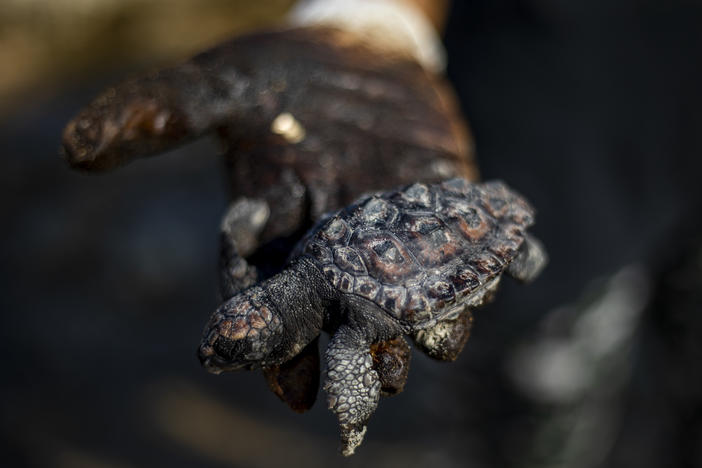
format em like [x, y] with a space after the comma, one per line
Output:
[288, 127]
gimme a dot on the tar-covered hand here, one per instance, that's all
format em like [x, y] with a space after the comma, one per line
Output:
[311, 117]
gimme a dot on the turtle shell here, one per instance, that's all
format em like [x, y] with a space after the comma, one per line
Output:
[421, 251]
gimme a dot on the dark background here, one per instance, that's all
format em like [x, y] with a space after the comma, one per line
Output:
[591, 109]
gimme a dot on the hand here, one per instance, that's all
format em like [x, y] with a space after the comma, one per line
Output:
[311, 117]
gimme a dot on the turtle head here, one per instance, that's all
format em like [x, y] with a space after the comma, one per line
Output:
[241, 334]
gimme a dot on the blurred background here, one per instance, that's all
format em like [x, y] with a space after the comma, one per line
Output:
[592, 109]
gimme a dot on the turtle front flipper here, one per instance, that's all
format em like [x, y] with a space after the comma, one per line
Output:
[352, 385]
[445, 340]
[296, 381]
[239, 237]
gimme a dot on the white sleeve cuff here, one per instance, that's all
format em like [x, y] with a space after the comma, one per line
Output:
[388, 24]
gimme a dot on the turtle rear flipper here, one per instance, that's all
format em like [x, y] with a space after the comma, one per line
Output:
[445, 340]
[531, 260]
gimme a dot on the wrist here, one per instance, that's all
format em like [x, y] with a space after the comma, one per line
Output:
[398, 26]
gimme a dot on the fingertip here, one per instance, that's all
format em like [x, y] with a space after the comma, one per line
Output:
[82, 145]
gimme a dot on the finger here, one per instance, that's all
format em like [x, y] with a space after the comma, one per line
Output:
[153, 113]
[296, 382]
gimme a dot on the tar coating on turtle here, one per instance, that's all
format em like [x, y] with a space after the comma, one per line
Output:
[412, 261]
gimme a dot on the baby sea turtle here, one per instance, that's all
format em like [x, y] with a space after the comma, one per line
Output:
[413, 261]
